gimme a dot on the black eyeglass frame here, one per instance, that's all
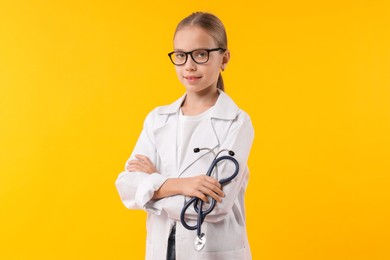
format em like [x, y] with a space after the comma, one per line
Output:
[192, 57]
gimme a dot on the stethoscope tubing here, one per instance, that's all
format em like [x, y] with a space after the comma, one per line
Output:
[195, 200]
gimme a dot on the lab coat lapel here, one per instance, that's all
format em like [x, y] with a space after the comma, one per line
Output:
[166, 143]
[165, 135]
[204, 137]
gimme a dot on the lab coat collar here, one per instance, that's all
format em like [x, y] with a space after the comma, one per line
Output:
[224, 108]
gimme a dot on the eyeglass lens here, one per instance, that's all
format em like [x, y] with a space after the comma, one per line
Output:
[199, 56]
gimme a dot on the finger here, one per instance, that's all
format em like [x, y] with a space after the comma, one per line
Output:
[130, 165]
[130, 169]
[213, 181]
[143, 165]
[136, 165]
[210, 193]
[136, 162]
[201, 196]
[214, 189]
[143, 158]
[152, 170]
[146, 161]
[134, 169]
[214, 184]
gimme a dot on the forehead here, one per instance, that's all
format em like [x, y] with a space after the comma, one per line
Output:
[190, 38]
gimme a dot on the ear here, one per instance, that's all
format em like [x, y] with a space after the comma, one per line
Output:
[225, 59]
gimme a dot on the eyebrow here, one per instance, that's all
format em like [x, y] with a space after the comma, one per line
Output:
[203, 48]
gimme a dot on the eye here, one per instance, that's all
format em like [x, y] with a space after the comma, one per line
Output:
[200, 54]
[180, 55]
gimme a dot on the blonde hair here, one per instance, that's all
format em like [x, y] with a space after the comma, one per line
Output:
[212, 25]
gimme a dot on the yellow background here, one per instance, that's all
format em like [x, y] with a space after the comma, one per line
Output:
[77, 79]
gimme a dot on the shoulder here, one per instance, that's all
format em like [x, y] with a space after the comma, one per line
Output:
[227, 109]
[242, 123]
[153, 118]
[230, 121]
[160, 115]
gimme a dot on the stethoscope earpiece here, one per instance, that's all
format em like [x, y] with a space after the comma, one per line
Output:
[230, 152]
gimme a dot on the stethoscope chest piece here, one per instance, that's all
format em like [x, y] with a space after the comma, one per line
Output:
[200, 242]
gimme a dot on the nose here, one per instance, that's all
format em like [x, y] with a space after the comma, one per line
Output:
[190, 64]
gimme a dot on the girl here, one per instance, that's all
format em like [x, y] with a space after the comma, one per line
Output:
[163, 170]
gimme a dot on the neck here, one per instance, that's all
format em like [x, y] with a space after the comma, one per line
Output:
[198, 102]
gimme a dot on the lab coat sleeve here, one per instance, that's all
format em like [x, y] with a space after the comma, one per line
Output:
[238, 139]
[136, 189]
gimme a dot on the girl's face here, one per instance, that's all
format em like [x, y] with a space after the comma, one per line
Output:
[199, 78]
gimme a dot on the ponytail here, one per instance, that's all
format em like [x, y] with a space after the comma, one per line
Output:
[220, 84]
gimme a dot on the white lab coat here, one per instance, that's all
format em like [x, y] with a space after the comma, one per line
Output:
[225, 229]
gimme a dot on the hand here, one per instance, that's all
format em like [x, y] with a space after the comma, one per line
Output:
[141, 164]
[202, 186]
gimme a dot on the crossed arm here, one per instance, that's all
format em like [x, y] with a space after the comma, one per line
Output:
[199, 186]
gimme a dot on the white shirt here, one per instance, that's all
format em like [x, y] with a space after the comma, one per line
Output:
[186, 127]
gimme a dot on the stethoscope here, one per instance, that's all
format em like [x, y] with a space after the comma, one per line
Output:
[200, 239]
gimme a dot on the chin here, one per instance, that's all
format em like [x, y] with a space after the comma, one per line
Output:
[199, 89]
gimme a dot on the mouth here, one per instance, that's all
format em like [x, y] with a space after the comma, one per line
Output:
[192, 78]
